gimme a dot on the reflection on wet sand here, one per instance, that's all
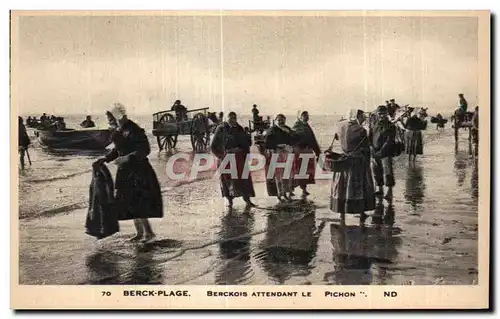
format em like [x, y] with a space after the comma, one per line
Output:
[460, 165]
[361, 254]
[474, 179]
[105, 267]
[234, 248]
[100, 266]
[414, 186]
[290, 243]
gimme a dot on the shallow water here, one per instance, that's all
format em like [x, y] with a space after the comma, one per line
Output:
[428, 235]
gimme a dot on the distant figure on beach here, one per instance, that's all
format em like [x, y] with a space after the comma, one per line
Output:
[231, 139]
[180, 110]
[221, 117]
[280, 140]
[382, 136]
[23, 141]
[306, 144]
[255, 114]
[138, 194]
[462, 103]
[414, 126]
[475, 128]
[88, 123]
[392, 108]
[352, 191]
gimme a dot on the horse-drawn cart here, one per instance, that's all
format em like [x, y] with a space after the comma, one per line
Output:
[461, 119]
[195, 123]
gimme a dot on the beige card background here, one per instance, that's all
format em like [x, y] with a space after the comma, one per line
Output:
[430, 297]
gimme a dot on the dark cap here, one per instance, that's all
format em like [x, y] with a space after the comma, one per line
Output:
[382, 108]
[392, 100]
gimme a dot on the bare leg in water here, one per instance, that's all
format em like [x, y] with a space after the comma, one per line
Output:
[148, 231]
[139, 229]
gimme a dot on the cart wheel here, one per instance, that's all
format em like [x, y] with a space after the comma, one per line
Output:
[200, 133]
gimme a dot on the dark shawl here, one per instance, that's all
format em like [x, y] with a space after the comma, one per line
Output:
[382, 134]
[138, 193]
[227, 137]
[276, 136]
[24, 139]
[305, 137]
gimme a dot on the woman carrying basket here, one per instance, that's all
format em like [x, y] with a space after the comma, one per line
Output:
[352, 189]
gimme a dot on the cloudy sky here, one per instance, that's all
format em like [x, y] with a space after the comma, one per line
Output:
[68, 65]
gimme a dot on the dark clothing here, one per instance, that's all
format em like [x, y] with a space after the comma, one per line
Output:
[279, 184]
[463, 105]
[306, 143]
[352, 191]
[382, 134]
[23, 138]
[305, 138]
[138, 193]
[413, 135]
[87, 124]
[256, 117]
[383, 171]
[415, 124]
[230, 139]
[391, 109]
[180, 111]
[102, 219]
[278, 136]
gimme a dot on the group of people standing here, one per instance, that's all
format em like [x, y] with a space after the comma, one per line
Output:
[370, 146]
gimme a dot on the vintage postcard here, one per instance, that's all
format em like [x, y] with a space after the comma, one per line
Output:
[250, 159]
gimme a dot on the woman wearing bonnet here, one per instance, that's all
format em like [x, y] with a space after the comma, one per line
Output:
[353, 190]
[138, 195]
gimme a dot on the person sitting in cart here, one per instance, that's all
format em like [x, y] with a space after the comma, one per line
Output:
[88, 123]
[180, 110]
[255, 112]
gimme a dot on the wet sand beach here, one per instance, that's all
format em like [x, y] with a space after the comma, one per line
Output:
[428, 236]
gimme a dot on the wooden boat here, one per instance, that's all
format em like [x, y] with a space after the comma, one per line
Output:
[82, 139]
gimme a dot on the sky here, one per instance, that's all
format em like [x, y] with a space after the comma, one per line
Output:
[326, 65]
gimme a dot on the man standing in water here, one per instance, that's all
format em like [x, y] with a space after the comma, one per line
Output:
[382, 135]
[23, 141]
[230, 139]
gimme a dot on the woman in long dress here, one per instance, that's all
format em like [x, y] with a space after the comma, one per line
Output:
[352, 191]
[413, 133]
[306, 144]
[231, 139]
[138, 195]
[280, 140]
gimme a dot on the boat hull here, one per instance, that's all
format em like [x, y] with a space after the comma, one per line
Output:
[74, 139]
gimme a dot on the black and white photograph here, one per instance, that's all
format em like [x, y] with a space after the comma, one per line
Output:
[217, 149]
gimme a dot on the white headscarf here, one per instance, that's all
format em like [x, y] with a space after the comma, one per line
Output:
[118, 111]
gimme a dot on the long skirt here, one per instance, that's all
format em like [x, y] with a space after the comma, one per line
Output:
[138, 193]
[353, 191]
[238, 186]
[414, 143]
[383, 173]
[280, 183]
[310, 170]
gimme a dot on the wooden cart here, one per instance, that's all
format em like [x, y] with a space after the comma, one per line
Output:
[167, 128]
